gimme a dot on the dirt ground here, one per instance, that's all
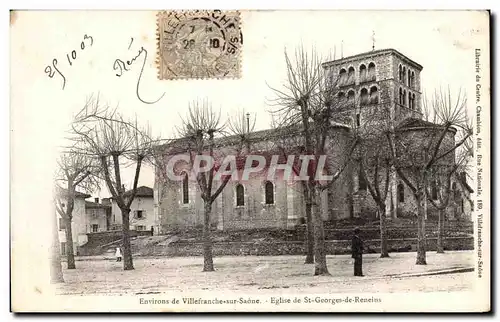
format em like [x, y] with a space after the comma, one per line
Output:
[255, 274]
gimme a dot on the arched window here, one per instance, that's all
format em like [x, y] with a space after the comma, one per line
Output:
[412, 83]
[400, 73]
[456, 193]
[434, 190]
[185, 189]
[404, 97]
[404, 75]
[410, 101]
[240, 195]
[364, 96]
[413, 101]
[400, 96]
[371, 72]
[350, 97]
[401, 192]
[341, 97]
[373, 95]
[350, 76]
[361, 181]
[409, 78]
[362, 73]
[343, 76]
[269, 193]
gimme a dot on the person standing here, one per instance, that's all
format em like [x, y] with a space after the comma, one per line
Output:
[357, 253]
[118, 254]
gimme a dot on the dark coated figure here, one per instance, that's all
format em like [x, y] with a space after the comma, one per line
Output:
[357, 253]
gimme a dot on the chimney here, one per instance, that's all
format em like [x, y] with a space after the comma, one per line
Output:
[96, 200]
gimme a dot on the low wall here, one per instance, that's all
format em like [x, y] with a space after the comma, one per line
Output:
[297, 248]
[99, 239]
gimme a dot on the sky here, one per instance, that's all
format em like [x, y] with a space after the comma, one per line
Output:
[442, 42]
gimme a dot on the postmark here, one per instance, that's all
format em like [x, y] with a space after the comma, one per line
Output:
[199, 44]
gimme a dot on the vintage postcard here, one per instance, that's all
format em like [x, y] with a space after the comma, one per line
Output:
[250, 161]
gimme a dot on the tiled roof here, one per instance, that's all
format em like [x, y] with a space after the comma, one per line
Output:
[78, 194]
[177, 146]
[90, 204]
[142, 191]
[411, 123]
[415, 122]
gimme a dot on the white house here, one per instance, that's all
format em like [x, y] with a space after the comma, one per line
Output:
[77, 225]
[87, 217]
[98, 215]
[142, 216]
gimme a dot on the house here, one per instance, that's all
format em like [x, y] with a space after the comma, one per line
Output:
[369, 83]
[142, 215]
[88, 217]
[98, 215]
[78, 224]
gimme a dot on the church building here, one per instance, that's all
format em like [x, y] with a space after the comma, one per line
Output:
[380, 79]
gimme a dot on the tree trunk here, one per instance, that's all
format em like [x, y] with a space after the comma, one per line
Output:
[384, 252]
[70, 255]
[440, 248]
[309, 234]
[208, 261]
[350, 200]
[320, 267]
[127, 249]
[56, 274]
[421, 243]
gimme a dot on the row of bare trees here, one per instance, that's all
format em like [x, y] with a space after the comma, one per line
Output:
[103, 143]
[309, 99]
[205, 136]
[308, 109]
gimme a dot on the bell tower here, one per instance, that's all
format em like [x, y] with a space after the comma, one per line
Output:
[378, 84]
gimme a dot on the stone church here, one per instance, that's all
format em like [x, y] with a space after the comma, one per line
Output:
[369, 80]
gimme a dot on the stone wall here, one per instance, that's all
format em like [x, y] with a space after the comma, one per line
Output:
[415, 89]
[286, 211]
[298, 248]
[255, 213]
[96, 241]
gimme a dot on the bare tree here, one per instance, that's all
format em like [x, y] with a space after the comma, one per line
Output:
[309, 98]
[114, 143]
[375, 163]
[56, 274]
[202, 134]
[74, 171]
[375, 169]
[415, 153]
[440, 192]
[289, 141]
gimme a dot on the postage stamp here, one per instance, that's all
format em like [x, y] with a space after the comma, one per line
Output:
[199, 44]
